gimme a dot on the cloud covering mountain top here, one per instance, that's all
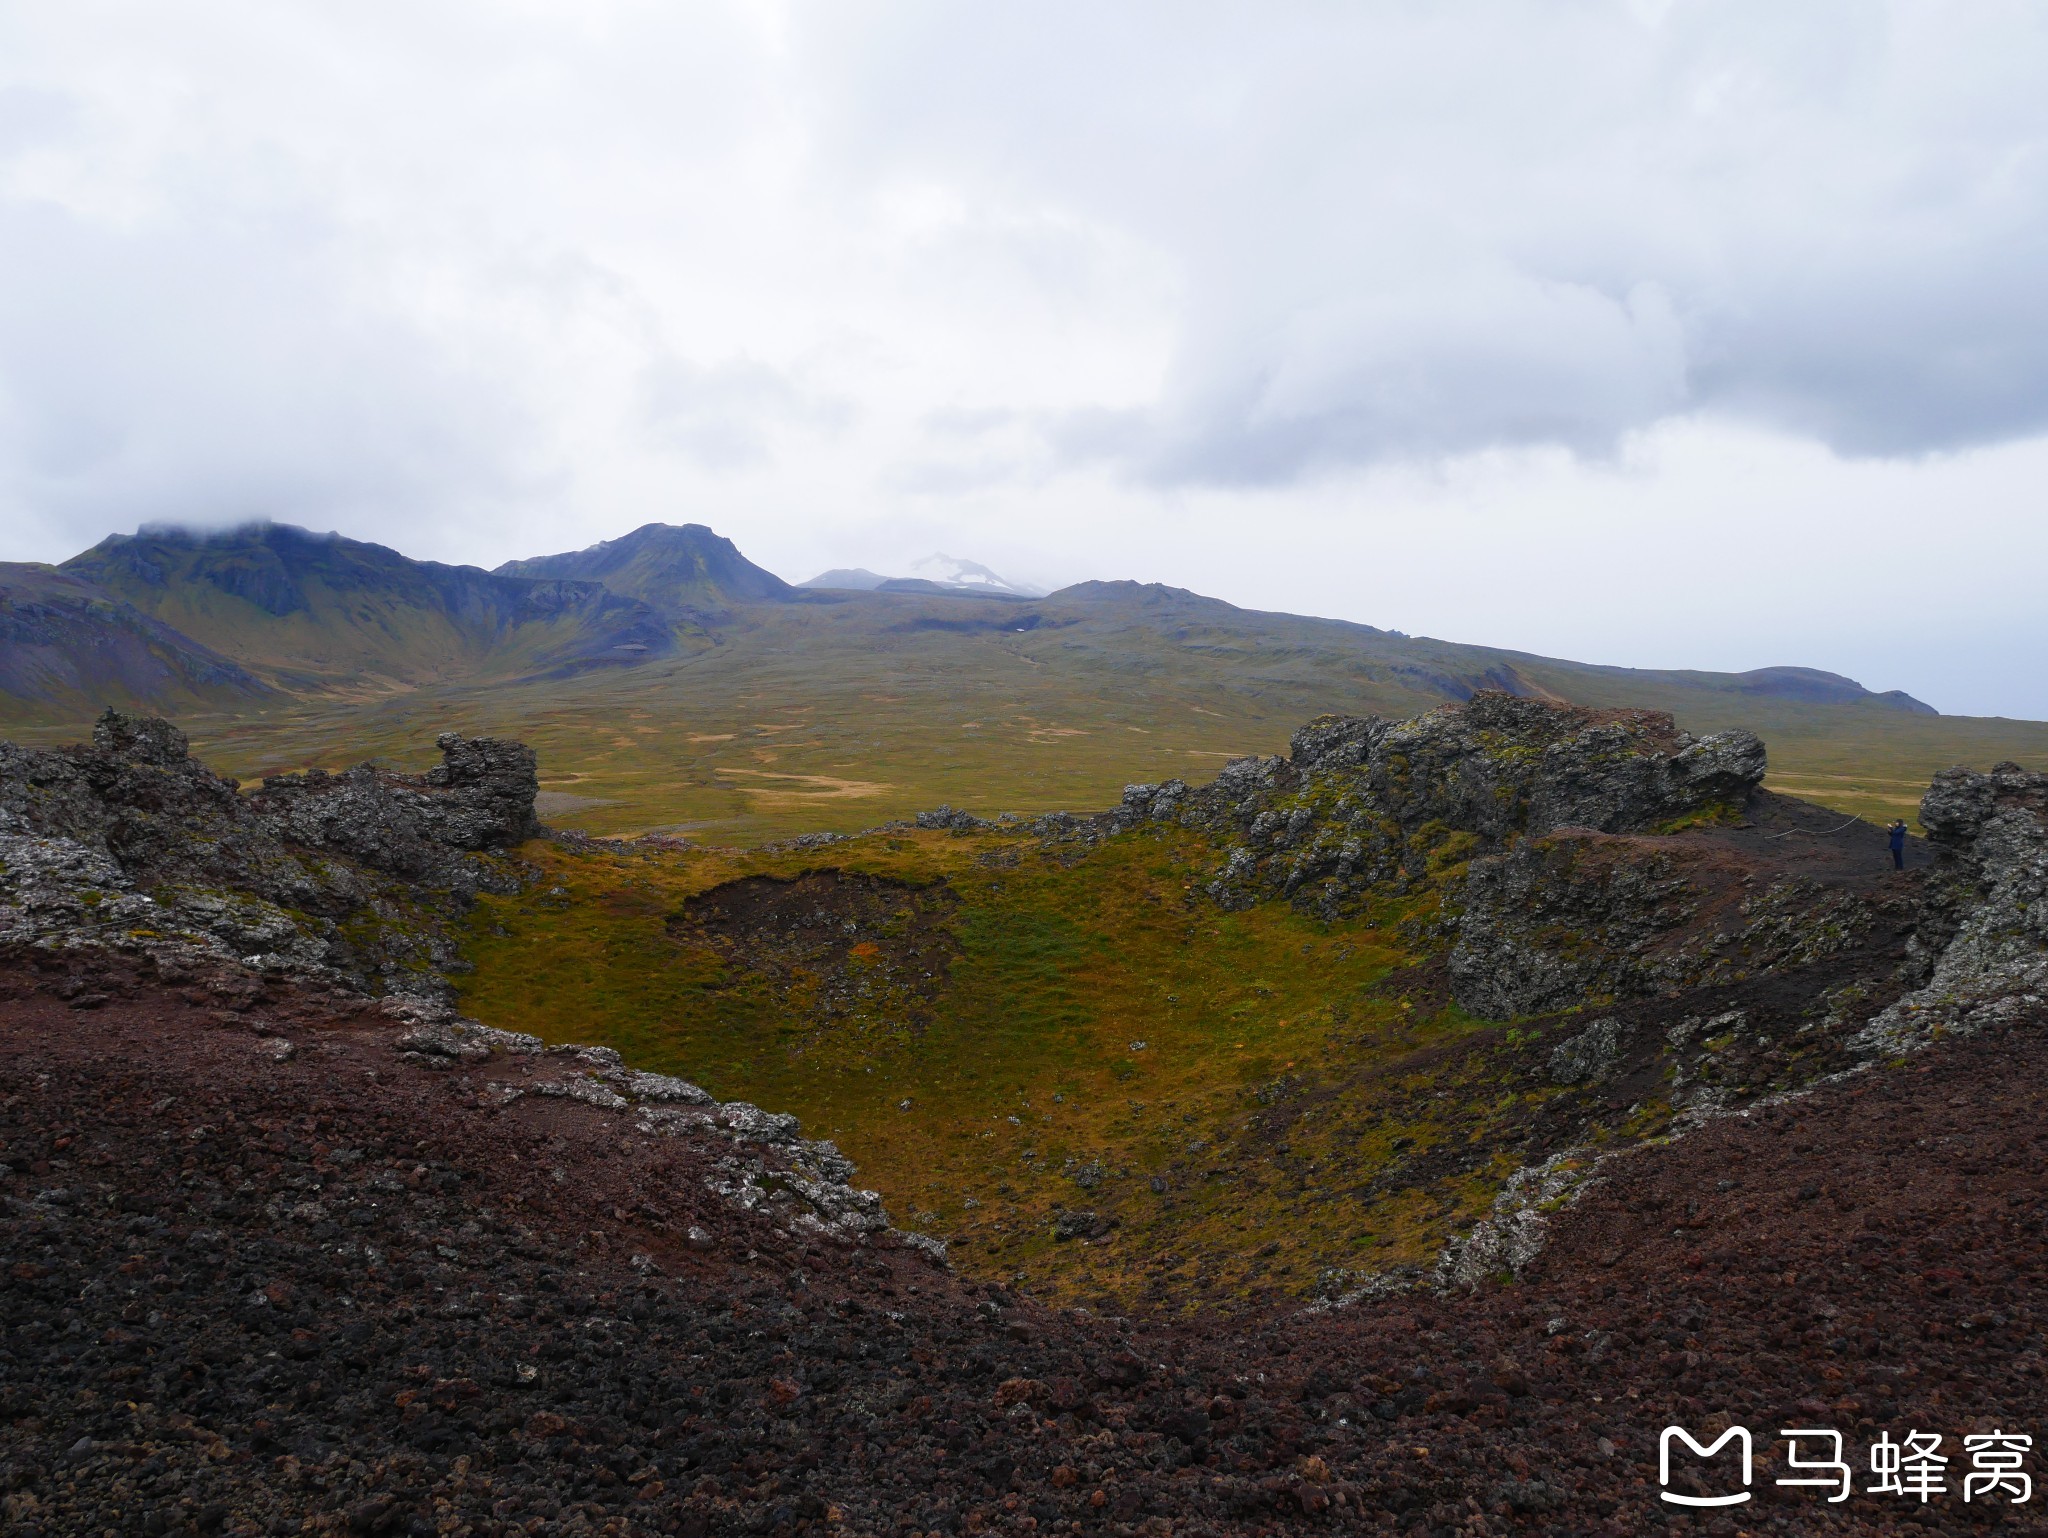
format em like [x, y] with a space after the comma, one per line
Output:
[864, 282]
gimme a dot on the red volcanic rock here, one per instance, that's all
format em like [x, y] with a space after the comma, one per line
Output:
[340, 1290]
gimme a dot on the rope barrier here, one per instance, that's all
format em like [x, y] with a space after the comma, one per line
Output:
[1817, 832]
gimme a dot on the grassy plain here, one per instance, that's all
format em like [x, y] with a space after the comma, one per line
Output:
[1238, 1098]
[842, 716]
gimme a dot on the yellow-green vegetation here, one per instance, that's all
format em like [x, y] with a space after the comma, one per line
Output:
[844, 715]
[1238, 1099]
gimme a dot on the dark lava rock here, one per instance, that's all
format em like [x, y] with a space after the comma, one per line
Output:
[1364, 801]
[254, 1292]
[129, 840]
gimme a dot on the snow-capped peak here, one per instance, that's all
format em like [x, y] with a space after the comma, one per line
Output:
[951, 571]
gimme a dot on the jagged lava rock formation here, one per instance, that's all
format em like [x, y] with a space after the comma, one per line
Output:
[1982, 944]
[1584, 853]
[1604, 859]
[131, 842]
[130, 849]
[1685, 943]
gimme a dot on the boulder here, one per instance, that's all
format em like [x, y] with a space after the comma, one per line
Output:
[1588, 1056]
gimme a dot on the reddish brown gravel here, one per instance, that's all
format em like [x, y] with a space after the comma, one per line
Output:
[255, 1288]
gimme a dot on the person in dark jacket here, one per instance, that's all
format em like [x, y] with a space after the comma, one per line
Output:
[1898, 833]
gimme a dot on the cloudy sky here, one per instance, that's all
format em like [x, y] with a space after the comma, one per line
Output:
[1659, 333]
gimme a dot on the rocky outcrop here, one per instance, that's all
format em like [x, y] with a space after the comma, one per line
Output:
[131, 841]
[1982, 946]
[1501, 765]
[1586, 1057]
[1555, 921]
[478, 800]
[129, 854]
[1581, 855]
[1510, 1237]
[1362, 802]
[765, 1166]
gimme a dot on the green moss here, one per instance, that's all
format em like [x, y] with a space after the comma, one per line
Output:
[1720, 814]
[1062, 965]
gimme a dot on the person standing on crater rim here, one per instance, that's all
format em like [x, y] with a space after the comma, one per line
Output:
[1898, 833]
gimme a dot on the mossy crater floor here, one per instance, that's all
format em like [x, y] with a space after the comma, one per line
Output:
[1066, 1061]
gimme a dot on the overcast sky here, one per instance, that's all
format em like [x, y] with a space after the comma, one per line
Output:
[1667, 334]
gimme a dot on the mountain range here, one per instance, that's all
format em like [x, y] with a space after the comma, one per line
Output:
[272, 610]
[673, 683]
[685, 571]
[169, 616]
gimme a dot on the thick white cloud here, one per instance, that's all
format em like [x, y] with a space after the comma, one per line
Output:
[1469, 300]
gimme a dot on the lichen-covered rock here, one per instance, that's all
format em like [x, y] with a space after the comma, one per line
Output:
[1150, 803]
[1502, 765]
[1983, 947]
[1587, 1056]
[1554, 921]
[1513, 1233]
[478, 800]
[352, 875]
[949, 819]
[804, 1186]
[1336, 742]
[665, 1088]
[1723, 768]
[442, 1033]
[1362, 802]
[1078, 1224]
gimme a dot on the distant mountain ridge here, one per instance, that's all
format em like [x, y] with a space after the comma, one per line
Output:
[319, 612]
[240, 618]
[684, 571]
[961, 576]
[940, 574]
[852, 579]
[72, 647]
[1826, 688]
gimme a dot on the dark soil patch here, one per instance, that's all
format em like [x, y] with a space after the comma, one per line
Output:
[1801, 839]
[833, 942]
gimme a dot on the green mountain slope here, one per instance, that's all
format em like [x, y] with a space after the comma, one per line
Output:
[320, 614]
[69, 649]
[683, 571]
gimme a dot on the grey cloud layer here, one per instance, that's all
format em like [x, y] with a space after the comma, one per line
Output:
[389, 263]
[1421, 231]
